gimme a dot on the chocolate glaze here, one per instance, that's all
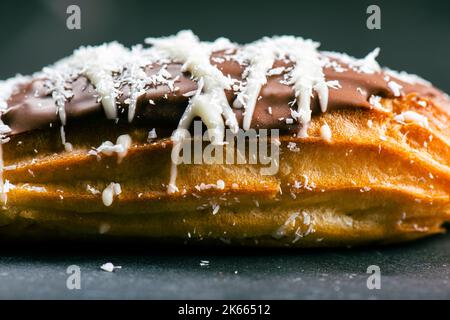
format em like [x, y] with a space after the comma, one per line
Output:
[30, 107]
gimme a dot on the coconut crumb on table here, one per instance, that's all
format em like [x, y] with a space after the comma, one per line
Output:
[109, 267]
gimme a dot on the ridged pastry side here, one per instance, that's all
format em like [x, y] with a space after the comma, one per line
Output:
[379, 179]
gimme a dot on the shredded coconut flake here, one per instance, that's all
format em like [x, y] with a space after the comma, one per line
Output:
[220, 184]
[395, 87]
[375, 101]
[325, 132]
[367, 65]
[412, 117]
[92, 190]
[108, 194]
[406, 77]
[152, 135]
[109, 267]
[215, 209]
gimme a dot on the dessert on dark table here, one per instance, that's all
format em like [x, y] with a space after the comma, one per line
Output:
[87, 142]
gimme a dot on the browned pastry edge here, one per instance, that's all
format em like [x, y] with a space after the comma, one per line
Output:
[370, 184]
[379, 173]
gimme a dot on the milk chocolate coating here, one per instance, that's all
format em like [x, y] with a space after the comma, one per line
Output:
[31, 108]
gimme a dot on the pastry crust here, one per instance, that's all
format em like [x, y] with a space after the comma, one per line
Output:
[379, 174]
[368, 185]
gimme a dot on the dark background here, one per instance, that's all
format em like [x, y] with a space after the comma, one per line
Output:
[415, 35]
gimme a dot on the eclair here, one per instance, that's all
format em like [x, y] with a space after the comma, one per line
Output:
[273, 143]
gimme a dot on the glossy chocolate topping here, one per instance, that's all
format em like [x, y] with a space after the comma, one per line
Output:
[31, 107]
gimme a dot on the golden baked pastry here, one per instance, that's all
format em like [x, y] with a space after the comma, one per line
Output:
[359, 154]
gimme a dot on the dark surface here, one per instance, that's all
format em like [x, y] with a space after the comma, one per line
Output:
[416, 270]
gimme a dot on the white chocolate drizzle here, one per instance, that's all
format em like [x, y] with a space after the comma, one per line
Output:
[123, 143]
[261, 56]
[306, 77]
[98, 64]
[209, 102]
[111, 67]
[67, 146]
[136, 78]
